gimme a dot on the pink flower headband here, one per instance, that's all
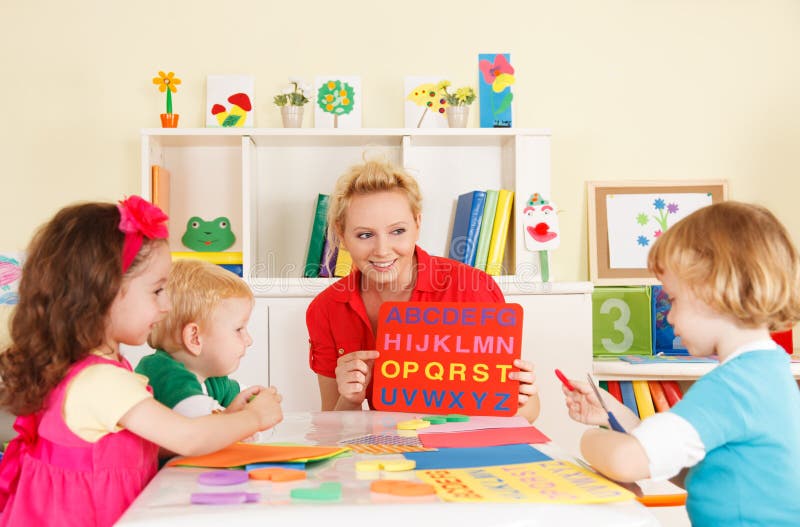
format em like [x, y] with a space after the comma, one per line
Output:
[139, 218]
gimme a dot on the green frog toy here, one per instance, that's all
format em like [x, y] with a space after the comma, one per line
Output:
[208, 236]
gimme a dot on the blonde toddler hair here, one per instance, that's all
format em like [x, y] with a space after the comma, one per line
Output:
[195, 288]
[367, 178]
[737, 258]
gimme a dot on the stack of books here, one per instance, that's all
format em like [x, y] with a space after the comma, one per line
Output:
[480, 229]
[323, 259]
[645, 398]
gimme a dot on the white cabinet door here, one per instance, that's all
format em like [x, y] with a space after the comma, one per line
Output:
[288, 354]
[557, 334]
[254, 366]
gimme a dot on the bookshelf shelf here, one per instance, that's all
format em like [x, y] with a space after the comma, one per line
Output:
[265, 181]
[618, 370]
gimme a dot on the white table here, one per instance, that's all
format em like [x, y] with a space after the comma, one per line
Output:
[165, 501]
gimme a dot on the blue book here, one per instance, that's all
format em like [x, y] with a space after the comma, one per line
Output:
[664, 339]
[234, 268]
[475, 220]
[466, 226]
[628, 398]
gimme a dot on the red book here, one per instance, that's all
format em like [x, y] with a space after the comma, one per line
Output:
[672, 391]
[613, 389]
[657, 393]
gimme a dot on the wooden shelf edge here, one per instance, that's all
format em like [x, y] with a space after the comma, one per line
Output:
[617, 370]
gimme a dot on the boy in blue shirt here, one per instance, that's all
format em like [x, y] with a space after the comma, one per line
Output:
[732, 275]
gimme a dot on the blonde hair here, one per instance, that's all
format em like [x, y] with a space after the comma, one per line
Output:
[195, 288]
[737, 258]
[367, 178]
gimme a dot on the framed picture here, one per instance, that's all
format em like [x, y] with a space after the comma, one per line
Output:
[626, 217]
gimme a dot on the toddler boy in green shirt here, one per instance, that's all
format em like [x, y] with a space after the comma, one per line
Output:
[201, 341]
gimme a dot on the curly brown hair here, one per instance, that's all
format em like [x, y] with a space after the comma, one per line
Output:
[71, 275]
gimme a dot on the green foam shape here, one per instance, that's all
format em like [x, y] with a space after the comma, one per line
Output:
[435, 419]
[328, 491]
[457, 418]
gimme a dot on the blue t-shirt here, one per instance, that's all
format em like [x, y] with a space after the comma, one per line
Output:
[747, 413]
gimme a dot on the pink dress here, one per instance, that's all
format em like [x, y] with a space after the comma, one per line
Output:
[50, 476]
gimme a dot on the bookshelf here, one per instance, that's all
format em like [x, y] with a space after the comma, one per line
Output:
[266, 182]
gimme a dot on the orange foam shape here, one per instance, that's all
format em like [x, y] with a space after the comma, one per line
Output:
[401, 488]
[277, 474]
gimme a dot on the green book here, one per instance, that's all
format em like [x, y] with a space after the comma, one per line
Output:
[317, 239]
[487, 221]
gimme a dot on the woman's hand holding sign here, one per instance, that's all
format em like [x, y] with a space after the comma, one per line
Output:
[528, 404]
[353, 375]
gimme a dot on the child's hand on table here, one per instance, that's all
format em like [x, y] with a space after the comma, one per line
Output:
[240, 401]
[266, 406]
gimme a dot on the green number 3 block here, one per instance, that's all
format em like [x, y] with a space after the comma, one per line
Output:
[621, 321]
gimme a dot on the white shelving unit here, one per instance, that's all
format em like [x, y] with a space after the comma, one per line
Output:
[266, 182]
[618, 370]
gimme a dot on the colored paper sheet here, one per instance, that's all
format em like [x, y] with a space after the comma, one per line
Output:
[446, 458]
[241, 454]
[666, 359]
[491, 437]
[547, 482]
[294, 466]
[479, 422]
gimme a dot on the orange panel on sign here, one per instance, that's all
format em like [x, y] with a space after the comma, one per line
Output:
[447, 357]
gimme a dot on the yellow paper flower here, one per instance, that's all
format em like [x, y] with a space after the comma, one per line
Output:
[502, 81]
[166, 81]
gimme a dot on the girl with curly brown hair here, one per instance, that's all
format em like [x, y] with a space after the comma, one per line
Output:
[88, 426]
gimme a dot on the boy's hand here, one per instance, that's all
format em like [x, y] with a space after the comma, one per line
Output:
[240, 401]
[354, 373]
[266, 405]
[583, 405]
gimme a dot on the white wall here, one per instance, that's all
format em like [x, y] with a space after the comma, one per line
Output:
[631, 89]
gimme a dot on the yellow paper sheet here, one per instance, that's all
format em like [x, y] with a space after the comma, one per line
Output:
[544, 482]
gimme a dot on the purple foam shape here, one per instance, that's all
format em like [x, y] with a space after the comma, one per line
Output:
[252, 497]
[218, 498]
[222, 477]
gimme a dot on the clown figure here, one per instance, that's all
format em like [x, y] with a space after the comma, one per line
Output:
[540, 221]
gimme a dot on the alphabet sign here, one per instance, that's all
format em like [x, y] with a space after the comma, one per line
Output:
[447, 357]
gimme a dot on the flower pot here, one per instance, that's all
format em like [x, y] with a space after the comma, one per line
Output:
[292, 116]
[169, 120]
[457, 116]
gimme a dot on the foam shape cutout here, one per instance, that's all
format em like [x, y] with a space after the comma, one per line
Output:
[402, 488]
[222, 477]
[328, 491]
[277, 474]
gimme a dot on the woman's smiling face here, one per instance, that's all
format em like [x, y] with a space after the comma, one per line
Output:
[381, 232]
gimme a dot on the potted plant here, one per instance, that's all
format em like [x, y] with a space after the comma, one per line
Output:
[168, 82]
[457, 104]
[291, 101]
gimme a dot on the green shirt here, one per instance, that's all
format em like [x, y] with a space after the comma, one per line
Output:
[172, 382]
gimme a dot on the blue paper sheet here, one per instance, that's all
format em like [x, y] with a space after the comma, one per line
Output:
[476, 457]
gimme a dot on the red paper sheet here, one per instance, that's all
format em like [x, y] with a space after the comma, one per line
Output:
[490, 437]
